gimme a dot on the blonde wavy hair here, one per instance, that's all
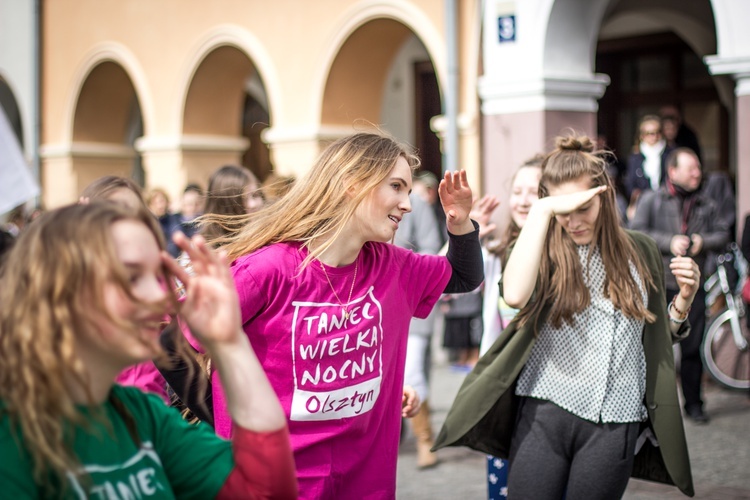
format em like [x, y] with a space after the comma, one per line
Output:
[52, 288]
[320, 203]
[561, 277]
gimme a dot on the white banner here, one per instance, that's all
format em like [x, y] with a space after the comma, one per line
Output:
[17, 186]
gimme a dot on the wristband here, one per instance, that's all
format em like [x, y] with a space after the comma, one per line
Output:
[683, 314]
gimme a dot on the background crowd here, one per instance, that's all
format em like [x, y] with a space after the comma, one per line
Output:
[660, 190]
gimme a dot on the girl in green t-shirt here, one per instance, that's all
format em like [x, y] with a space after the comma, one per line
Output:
[84, 294]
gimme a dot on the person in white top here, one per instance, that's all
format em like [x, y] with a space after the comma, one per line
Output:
[646, 166]
[496, 314]
[523, 193]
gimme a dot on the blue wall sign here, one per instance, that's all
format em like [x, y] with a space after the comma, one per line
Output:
[506, 29]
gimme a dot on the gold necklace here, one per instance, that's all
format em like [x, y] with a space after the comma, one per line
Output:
[344, 308]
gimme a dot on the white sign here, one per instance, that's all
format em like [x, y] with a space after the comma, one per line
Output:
[17, 186]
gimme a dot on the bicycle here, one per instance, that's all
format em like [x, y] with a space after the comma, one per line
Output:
[726, 352]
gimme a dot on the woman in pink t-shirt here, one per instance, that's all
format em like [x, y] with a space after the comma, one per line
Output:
[326, 302]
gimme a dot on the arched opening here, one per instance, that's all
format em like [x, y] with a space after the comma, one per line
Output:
[256, 119]
[652, 52]
[225, 113]
[384, 76]
[106, 124]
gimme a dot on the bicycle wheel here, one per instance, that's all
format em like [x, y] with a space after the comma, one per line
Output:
[726, 363]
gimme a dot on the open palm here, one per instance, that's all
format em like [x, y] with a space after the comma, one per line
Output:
[211, 307]
[455, 196]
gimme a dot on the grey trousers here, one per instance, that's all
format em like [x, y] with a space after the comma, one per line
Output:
[555, 453]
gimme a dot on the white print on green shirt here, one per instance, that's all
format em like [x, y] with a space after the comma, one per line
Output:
[141, 476]
[337, 361]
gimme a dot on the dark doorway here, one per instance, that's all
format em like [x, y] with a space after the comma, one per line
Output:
[255, 120]
[652, 71]
[427, 104]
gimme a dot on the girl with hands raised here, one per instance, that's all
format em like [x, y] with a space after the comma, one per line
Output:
[71, 322]
[326, 301]
[581, 384]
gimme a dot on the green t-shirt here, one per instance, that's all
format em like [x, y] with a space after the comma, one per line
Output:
[175, 459]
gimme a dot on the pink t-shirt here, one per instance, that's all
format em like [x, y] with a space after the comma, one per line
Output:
[340, 381]
[146, 377]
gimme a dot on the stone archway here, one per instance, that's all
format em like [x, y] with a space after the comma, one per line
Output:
[224, 114]
[373, 82]
[653, 53]
[106, 121]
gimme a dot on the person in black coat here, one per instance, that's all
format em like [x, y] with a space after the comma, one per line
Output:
[684, 136]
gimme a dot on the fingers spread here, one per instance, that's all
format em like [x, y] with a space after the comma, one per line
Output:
[178, 271]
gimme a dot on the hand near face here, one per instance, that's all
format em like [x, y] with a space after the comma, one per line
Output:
[211, 306]
[482, 211]
[687, 274]
[409, 403]
[566, 203]
[456, 198]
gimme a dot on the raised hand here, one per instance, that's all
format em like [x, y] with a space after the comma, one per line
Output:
[456, 198]
[566, 203]
[212, 312]
[481, 211]
[211, 306]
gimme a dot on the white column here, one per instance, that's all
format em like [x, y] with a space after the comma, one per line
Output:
[295, 149]
[173, 162]
[739, 68]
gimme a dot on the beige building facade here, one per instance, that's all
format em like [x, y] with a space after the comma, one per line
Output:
[172, 84]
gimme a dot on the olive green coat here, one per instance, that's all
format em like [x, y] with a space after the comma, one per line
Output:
[483, 414]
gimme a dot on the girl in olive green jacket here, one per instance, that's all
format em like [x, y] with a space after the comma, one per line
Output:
[579, 390]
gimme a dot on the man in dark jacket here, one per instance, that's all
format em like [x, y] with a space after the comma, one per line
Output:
[684, 221]
[685, 136]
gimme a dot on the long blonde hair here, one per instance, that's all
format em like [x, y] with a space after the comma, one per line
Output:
[320, 203]
[561, 278]
[51, 287]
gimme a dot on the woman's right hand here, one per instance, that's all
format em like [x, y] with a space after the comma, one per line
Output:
[211, 308]
[567, 203]
[212, 311]
[481, 212]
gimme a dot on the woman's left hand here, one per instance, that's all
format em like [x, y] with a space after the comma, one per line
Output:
[211, 306]
[456, 198]
[409, 403]
[688, 277]
[481, 211]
